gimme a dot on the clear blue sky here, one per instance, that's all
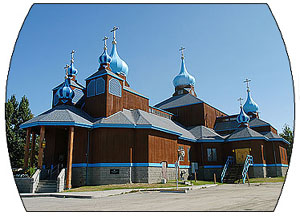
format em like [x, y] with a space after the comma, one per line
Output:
[224, 45]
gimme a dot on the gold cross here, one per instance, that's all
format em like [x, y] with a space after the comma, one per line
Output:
[114, 32]
[240, 99]
[247, 81]
[66, 67]
[181, 50]
[104, 39]
[72, 56]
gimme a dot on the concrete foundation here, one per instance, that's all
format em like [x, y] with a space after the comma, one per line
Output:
[122, 175]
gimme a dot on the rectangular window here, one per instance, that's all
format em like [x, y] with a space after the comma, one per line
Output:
[188, 154]
[211, 154]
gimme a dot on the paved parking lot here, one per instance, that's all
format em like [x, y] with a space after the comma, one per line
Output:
[256, 197]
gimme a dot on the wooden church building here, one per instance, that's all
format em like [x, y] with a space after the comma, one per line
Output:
[105, 132]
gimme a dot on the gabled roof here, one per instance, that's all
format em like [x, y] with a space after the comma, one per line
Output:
[141, 119]
[204, 133]
[103, 72]
[233, 124]
[64, 115]
[244, 132]
[179, 100]
[271, 135]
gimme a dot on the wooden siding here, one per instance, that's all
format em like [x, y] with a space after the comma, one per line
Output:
[196, 114]
[210, 115]
[80, 145]
[133, 101]
[111, 145]
[162, 147]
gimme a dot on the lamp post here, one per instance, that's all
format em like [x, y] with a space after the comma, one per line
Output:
[181, 154]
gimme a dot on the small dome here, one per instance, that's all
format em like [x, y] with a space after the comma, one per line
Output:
[117, 65]
[250, 105]
[72, 70]
[242, 117]
[104, 58]
[183, 78]
[65, 92]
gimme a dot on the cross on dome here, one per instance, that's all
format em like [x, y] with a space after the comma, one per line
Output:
[240, 100]
[72, 56]
[114, 33]
[104, 39]
[247, 81]
[66, 68]
[181, 50]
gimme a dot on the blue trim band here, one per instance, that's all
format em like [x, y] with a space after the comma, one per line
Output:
[247, 138]
[270, 165]
[55, 124]
[213, 166]
[126, 165]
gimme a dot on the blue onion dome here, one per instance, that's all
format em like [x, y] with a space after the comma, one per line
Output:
[183, 78]
[72, 71]
[65, 93]
[243, 118]
[250, 105]
[104, 59]
[117, 65]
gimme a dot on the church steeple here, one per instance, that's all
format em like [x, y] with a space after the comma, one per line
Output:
[250, 106]
[104, 59]
[65, 93]
[183, 82]
[243, 119]
[72, 71]
[117, 65]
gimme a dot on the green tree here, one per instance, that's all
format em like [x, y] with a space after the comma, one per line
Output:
[288, 135]
[16, 114]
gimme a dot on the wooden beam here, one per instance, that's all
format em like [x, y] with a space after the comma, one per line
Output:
[32, 153]
[70, 158]
[40, 159]
[26, 148]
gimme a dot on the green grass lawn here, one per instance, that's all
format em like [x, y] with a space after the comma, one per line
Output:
[134, 186]
[171, 183]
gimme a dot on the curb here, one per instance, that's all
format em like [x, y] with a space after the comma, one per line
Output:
[82, 196]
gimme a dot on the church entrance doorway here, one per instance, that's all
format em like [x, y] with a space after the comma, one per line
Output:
[241, 154]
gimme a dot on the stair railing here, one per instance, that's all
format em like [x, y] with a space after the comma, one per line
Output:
[247, 164]
[230, 160]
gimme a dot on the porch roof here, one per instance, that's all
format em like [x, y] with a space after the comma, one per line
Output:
[62, 115]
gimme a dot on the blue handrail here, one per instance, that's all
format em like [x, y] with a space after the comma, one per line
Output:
[229, 160]
[248, 162]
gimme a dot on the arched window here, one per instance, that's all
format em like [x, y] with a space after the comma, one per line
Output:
[91, 89]
[115, 87]
[100, 86]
